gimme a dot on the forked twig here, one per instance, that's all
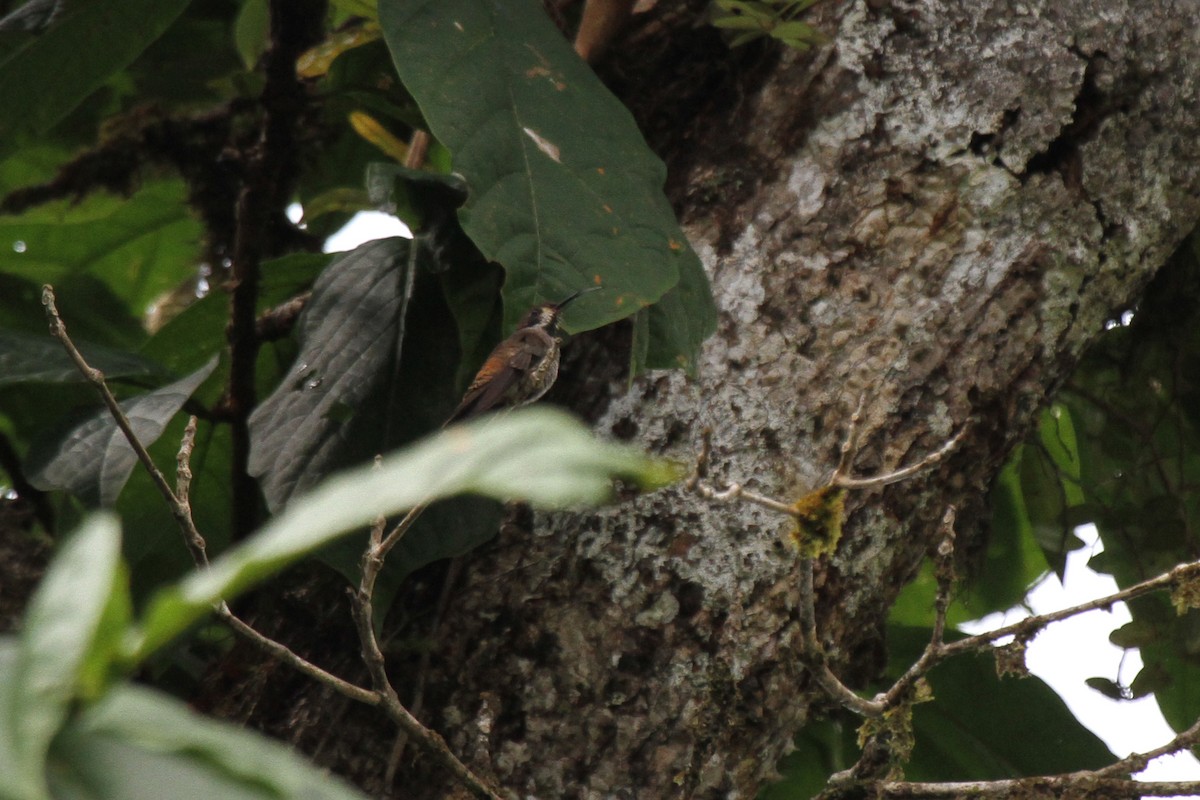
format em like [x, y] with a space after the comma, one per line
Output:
[95, 377]
[841, 475]
[733, 491]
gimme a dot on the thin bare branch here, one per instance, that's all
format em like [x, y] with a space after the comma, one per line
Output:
[418, 148]
[288, 656]
[418, 695]
[276, 323]
[1053, 786]
[847, 482]
[1135, 763]
[1029, 626]
[273, 648]
[179, 511]
[850, 440]
[734, 491]
[183, 485]
[813, 654]
[388, 700]
[396, 534]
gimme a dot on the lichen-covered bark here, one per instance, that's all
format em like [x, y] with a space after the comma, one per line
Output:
[946, 202]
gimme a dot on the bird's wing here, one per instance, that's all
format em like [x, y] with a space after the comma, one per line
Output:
[501, 373]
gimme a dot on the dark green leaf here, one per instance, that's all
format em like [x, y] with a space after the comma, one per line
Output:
[287, 276]
[823, 747]
[1170, 673]
[93, 313]
[368, 407]
[93, 460]
[680, 321]
[1134, 634]
[473, 297]
[250, 32]
[78, 611]
[1153, 678]
[563, 191]
[1133, 403]
[192, 337]
[194, 64]
[534, 454]
[742, 22]
[447, 529]
[50, 74]
[25, 358]
[348, 336]
[197, 333]
[1106, 687]
[981, 727]
[136, 743]
[1050, 483]
[413, 195]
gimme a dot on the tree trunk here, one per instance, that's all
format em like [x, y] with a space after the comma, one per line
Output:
[935, 211]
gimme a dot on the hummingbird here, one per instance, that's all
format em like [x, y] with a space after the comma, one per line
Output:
[521, 368]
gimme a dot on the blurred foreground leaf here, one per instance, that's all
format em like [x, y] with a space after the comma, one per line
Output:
[71, 631]
[537, 455]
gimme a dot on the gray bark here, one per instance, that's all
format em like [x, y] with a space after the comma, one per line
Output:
[949, 201]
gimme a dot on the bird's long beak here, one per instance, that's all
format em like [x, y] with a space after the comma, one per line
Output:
[561, 305]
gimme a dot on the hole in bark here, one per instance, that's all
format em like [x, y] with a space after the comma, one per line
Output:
[691, 599]
[625, 429]
[676, 433]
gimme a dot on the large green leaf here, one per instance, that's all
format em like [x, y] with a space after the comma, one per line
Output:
[678, 323]
[32, 163]
[538, 455]
[563, 191]
[139, 247]
[74, 620]
[47, 75]
[94, 459]
[136, 743]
